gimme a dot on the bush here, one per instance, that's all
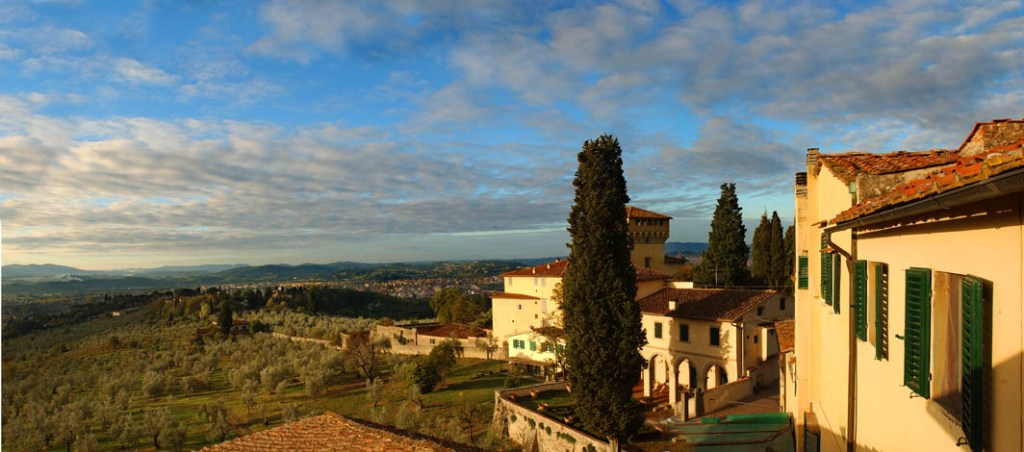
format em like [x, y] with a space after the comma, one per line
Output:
[423, 373]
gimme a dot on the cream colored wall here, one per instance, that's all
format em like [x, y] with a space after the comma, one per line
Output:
[536, 355]
[513, 316]
[699, 349]
[988, 246]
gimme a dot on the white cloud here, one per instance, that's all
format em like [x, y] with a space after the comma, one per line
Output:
[134, 71]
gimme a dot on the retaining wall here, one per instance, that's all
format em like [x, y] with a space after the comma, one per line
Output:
[536, 431]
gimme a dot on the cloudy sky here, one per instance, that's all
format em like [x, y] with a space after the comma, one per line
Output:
[166, 132]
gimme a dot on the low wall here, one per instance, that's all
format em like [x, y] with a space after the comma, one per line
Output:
[537, 431]
[405, 341]
[768, 372]
[731, 392]
[323, 342]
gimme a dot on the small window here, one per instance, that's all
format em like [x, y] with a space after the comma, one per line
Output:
[715, 338]
[647, 262]
[802, 273]
[533, 346]
[755, 338]
[520, 307]
[782, 304]
[760, 311]
[684, 333]
[657, 330]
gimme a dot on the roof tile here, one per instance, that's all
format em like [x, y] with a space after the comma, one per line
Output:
[849, 165]
[705, 304]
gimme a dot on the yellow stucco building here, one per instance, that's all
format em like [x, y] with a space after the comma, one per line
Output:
[908, 328]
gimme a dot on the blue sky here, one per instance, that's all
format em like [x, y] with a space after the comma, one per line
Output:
[165, 132]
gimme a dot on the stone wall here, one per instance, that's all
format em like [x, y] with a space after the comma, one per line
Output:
[536, 431]
[406, 341]
[716, 398]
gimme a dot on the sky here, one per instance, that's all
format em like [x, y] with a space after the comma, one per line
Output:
[141, 134]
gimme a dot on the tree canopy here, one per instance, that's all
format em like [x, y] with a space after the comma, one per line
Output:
[724, 263]
[452, 305]
[602, 319]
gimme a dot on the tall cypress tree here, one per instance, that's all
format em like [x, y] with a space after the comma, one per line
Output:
[602, 319]
[777, 249]
[724, 263]
[760, 251]
[789, 243]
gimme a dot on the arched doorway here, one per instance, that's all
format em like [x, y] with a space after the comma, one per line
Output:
[715, 376]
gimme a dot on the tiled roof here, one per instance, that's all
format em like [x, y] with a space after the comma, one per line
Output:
[515, 296]
[784, 331]
[989, 134]
[333, 432]
[636, 212]
[966, 171]
[447, 330]
[704, 304]
[849, 165]
[557, 268]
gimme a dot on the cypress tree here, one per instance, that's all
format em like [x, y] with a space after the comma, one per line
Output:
[602, 319]
[777, 250]
[760, 251]
[724, 263]
[225, 318]
[789, 243]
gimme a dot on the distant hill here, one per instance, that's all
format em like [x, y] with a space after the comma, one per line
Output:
[685, 247]
[39, 270]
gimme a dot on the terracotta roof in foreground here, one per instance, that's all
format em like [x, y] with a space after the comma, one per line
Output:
[784, 331]
[704, 304]
[849, 165]
[557, 268]
[334, 432]
[515, 296]
[966, 171]
[636, 212]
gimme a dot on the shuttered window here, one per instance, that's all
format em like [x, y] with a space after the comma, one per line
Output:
[860, 299]
[812, 433]
[826, 273]
[917, 331]
[657, 330]
[837, 265]
[972, 355]
[881, 311]
[802, 272]
[533, 346]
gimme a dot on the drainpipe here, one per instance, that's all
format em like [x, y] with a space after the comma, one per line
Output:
[851, 390]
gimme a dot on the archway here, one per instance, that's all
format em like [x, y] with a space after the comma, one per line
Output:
[656, 374]
[715, 376]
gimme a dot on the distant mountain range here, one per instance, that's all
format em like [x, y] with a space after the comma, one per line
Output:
[49, 278]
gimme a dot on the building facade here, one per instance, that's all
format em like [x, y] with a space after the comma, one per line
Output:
[909, 299]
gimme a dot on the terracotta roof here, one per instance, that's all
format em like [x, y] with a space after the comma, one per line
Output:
[989, 133]
[784, 331]
[334, 432]
[557, 268]
[636, 212]
[456, 330]
[966, 171]
[848, 166]
[705, 304]
[517, 296]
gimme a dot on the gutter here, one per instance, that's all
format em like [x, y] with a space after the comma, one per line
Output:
[993, 187]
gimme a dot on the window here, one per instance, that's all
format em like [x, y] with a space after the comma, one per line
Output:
[647, 262]
[917, 331]
[755, 338]
[881, 312]
[520, 307]
[782, 303]
[657, 330]
[974, 361]
[860, 299]
[760, 311]
[802, 273]
[684, 333]
[715, 335]
[533, 346]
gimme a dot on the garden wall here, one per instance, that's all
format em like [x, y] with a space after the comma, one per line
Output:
[731, 392]
[537, 431]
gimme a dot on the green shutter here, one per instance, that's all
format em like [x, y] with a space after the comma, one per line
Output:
[533, 346]
[657, 330]
[881, 311]
[860, 299]
[973, 337]
[802, 272]
[826, 274]
[917, 331]
[837, 266]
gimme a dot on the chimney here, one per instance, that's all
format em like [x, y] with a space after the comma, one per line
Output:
[671, 305]
[812, 160]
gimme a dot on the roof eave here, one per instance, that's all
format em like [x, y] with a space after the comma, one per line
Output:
[996, 186]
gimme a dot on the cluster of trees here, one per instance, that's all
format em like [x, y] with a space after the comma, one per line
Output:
[772, 253]
[451, 305]
[724, 263]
